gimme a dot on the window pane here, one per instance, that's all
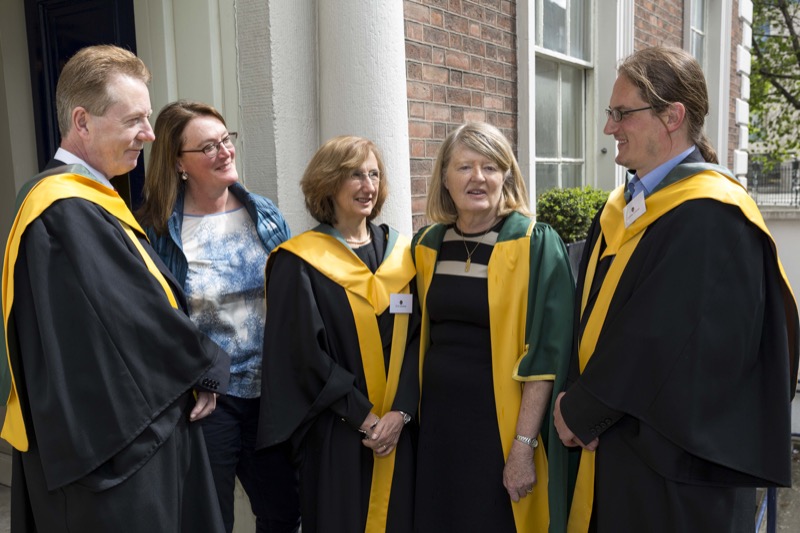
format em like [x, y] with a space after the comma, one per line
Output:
[555, 25]
[546, 177]
[579, 31]
[572, 175]
[699, 14]
[546, 108]
[571, 112]
[698, 49]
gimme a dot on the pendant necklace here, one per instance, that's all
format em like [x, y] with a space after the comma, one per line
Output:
[469, 253]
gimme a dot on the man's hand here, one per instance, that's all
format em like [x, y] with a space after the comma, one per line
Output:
[206, 403]
[565, 434]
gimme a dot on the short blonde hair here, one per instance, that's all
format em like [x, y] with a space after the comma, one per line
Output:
[488, 141]
[85, 78]
[332, 164]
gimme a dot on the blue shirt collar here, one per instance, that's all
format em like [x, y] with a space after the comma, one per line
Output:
[650, 181]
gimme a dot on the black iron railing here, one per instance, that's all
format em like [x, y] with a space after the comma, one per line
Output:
[779, 186]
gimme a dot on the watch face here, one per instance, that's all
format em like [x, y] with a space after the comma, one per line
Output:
[406, 418]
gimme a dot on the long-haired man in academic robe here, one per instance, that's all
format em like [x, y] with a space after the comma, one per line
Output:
[686, 347]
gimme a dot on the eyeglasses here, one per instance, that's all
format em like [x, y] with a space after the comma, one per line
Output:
[616, 114]
[212, 149]
[373, 175]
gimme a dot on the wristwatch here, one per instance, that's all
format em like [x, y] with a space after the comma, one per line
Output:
[532, 442]
[406, 417]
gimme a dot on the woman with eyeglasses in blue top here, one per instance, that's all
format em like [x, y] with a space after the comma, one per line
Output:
[215, 237]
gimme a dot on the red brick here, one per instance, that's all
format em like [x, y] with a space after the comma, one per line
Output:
[416, 110]
[419, 130]
[493, 102]
[454, 6]
[417, 149]
[439, 132]
[476, 64]
[474, 30]
[418, 221]
[414, 31]
[474, 46]
[455, 78]
[413, 70]
[477, 99]
[474, 115]
[458, 96]
[434, 74]
[419, 186]
[506, 23]
[492, 4]
[421, 167]
[492, 35]
[456, 23]
[419, 91]
[489, 17]
[507, 55]
[418, 51]
[418, 204]
[416, 12]
[437, 18]
[491, 85]
[505, 88]
[437, 112]
[437, 57]
[474, 81]
[457, 60]
[457, 114]
[493, 68]
[432, 148]
[472, 11]
[435, 36]
[439, 94]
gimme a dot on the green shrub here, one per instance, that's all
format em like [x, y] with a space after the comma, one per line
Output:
[570, 211]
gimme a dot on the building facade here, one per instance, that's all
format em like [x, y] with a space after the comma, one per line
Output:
[288, 75]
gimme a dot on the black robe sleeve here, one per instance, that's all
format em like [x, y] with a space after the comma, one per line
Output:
[101, 358]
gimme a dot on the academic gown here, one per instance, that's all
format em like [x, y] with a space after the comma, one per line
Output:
[529, 297]
[103, 367]
[689, 384]
[315, 389]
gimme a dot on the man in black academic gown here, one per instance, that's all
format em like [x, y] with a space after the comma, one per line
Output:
[109, 374]
[686, 345]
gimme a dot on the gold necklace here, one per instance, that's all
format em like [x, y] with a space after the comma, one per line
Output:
[466, 248]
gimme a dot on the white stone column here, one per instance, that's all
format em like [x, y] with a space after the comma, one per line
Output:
[362, 88]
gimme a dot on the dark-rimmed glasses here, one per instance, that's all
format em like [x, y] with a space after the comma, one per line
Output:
[616, 114]
[212, 149]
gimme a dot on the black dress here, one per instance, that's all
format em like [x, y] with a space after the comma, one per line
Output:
[460, 458]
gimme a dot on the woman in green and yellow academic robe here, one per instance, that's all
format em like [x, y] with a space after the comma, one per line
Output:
[496, 290]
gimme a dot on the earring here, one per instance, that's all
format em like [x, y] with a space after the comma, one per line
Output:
[184, 176]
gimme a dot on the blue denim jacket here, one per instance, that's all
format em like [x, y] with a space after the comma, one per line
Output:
[270, 225]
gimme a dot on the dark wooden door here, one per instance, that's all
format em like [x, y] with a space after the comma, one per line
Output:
[56, 30]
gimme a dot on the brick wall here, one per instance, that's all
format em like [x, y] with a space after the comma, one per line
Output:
[461, 65]
[658, 23]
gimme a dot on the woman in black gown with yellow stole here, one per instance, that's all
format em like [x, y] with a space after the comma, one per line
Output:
[335, 381]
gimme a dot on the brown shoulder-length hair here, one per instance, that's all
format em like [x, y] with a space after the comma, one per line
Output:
[332, 164]
[162, 179]
[665, 75]
[84, 80]
[488, 141]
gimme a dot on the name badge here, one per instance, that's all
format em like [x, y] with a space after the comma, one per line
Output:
[401, 303]
[634, 209]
